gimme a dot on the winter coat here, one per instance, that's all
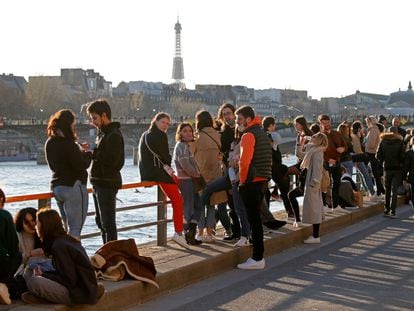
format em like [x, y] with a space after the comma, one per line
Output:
[391, 151]
[372, 139]
[150, 168]
[312, 201]
[409, 166]
[9, 243]
[108, 157]
[206, 152]
[67, 162]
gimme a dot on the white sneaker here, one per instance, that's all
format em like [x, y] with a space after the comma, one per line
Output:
[327, 209]
[351, 208]
[312, 240]
[199, 237]
[180, 240]
[4, 295]
[376, 198]
[297, 224]
[251, 264]
[242, 242]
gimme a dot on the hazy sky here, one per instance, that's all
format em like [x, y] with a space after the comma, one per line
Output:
[328, 47]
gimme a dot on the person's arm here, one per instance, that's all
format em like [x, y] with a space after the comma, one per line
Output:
[186, 160]
[316, 170]
[380, 154]
[159, 144]
[78, 160]
[247, 145]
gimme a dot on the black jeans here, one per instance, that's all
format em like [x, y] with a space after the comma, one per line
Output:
[293, 195]
[252, 195]
[9, 267]
[335, 174]
[392, 182]
[376, 171]
[105, 202]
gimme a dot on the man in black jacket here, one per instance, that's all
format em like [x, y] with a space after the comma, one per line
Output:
[391, 152]
[108, 160]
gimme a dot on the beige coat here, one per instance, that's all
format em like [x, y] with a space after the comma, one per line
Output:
[206, 153]
[373, 139]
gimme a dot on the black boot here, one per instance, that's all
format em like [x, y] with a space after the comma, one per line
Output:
[190, 235]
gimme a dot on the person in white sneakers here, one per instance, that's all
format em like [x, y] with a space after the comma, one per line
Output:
[312, 201]
[255, 169]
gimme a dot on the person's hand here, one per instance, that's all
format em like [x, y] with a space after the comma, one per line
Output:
[331, 162]
[340, 149]
[38, 252]
[37, 271]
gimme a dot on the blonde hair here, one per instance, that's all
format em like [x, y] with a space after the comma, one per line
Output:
[320, 139]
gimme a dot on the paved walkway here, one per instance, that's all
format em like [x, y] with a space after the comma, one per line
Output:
[366, 266]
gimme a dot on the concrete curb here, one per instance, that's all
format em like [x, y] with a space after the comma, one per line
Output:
[178, 267]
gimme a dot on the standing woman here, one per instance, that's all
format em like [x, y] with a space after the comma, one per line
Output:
[68, 164]
[73, 281]
[346, 158]
[207, 154]
[186, 170]
[302, 138]
[155, 165]
[312, 201]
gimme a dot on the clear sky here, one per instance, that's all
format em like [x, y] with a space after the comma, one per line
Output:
[328, 47]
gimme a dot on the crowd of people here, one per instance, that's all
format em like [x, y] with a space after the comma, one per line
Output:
[219, 171]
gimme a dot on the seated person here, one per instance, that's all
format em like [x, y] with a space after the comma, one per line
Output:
[29, 242]
[73, 281]
[346, 191]
[10, 257]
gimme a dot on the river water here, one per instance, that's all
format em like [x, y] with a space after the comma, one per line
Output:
[27, 178]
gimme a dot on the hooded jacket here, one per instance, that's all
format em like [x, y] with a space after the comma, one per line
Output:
[108, 157]
[391, 151]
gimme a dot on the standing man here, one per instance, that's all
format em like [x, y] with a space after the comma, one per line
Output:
[396, 122]
[108, 160]
[332, 155]
[255, 169]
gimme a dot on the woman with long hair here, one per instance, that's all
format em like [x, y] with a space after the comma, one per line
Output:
[29, 242]
[312, 201]
[346, 158]
[155, 165]
[187, 169]
[68, 162]
[302, 138]
[73, 281]
[208, 156]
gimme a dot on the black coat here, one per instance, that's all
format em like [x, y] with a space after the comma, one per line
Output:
[150, 168]
[227, 137]
[108, 157]
[73, 270]
[409, 166]
[391, 151]
[66, 161]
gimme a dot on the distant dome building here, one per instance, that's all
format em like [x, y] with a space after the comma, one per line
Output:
[401, 102]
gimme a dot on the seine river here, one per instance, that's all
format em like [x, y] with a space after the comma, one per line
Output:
[28, 178]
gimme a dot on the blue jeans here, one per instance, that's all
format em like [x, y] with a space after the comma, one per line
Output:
[192, 204]
[105, 202]
[349, 166]
[207, 220]
[218, 184]
[366, 177]
[240, 210]
[73, 206]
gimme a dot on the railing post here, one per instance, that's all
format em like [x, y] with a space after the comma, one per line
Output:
[42, 203]
[161, 216]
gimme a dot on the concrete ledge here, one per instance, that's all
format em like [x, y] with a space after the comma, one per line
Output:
[178, 267]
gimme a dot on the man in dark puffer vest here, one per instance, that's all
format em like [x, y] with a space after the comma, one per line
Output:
[255, 170]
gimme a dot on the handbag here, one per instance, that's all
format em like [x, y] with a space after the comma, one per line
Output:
[199, 183]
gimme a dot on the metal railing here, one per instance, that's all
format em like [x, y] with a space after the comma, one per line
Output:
[45, 199]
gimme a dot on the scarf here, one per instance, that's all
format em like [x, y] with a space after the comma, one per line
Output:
[310, 151]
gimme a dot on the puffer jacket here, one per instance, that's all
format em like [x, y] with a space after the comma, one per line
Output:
[391, 151]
